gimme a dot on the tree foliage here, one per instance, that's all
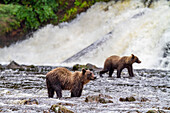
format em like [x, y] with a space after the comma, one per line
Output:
[34, 13]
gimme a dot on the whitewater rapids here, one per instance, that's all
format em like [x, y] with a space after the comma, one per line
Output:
[136, 29]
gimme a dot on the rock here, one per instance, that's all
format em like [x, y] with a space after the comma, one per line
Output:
[128, 99]
[92, 67]
[31, 102]
[60, 109]
[99, 99]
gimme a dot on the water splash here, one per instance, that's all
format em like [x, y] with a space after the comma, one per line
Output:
[138, 30]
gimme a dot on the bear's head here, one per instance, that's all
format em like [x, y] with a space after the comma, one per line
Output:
[135, 59]
[87, 76]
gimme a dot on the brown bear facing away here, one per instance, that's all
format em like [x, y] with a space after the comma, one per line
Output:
[119, 63]
[62, 79]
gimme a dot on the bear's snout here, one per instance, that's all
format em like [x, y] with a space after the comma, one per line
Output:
[92, 77]
[139, 61]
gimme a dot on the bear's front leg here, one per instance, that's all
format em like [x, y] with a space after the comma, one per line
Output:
[50, 92]
[111, 72]
[77, 90]
[130, 71]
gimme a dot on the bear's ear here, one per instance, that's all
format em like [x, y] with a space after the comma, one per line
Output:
[83, 71]
[133, 56]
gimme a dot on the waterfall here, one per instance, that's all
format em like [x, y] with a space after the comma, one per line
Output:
[136, 29]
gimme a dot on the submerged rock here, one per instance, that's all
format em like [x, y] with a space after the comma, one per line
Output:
[99, 99]
[128, 99]
[60, 109]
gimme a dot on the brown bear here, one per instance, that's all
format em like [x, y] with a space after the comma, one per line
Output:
[62, 79]
[119, 63]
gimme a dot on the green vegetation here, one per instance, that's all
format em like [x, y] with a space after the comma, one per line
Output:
[32, 13]
[19, 17]
[8, 21]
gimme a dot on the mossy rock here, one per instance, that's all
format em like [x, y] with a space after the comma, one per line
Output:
[79, 67]
[60, 109]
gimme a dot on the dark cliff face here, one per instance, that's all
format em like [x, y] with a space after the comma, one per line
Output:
[12, 37]
[14, 28]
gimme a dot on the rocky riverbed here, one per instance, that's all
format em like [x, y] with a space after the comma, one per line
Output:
[25, 91]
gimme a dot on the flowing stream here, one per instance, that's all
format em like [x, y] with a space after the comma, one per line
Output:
[105, 29]
[150, 88]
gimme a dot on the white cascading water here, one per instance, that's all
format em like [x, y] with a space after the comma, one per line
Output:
[135, 29]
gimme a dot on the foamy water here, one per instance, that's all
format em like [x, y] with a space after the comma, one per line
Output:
[135, 29]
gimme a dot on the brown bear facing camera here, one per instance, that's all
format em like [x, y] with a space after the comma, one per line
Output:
[62, 79]
[119, 63]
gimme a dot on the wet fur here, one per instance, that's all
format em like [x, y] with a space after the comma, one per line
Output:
[62, 79]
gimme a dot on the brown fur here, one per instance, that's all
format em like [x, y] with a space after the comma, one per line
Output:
[62, 79]
[119, 63]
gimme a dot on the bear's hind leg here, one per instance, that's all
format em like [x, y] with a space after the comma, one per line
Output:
[102, 72]
[58, 91]
[119, 70]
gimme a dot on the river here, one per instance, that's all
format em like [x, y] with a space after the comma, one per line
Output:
[150, 88]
